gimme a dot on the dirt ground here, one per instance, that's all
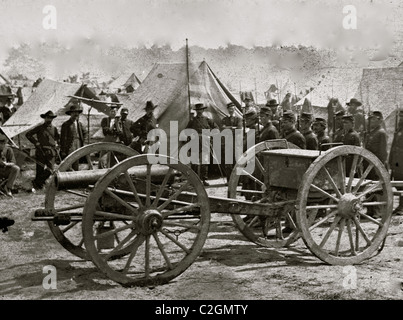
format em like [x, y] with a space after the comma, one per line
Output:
[229, 268]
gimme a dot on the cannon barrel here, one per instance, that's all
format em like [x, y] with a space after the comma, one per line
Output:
[82, 179]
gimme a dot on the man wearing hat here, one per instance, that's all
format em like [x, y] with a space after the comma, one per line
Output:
[377, 138]
[142, 126]
[110, 125]
[269, 131]
[72, 133]
[319, 128]
[8, 168]
[249, 104]
[396, 159]
[311, 140]
[198, 123]
[290, 133]
[127, 126]
[45, 138]
[358, 114]
[275, 115]
[338, 129]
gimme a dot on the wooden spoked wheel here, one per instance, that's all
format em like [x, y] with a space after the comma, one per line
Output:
[250, 186]
[350, 188]
[71, 201]
[164, 230]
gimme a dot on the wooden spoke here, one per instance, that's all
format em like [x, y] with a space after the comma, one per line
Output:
[352, 172]
[374, 188]
[329, 231]
[177, 224]
[359, 228]
[341, 166]
[80, 243]
[323, 220]
[341, 228]
[362, 178]
[147, 257]
[136, 244]
[180, 245]
[114, 157]
[162, 187]
[260, 166]
[78, 206]
[71, 225]
[148, 186]
[133, 189]
[114, 231]
[174, 196]
[312, 216]
[252, 177]
[164, 254]
[179, 210]
[88, 158]
[121, 244]
[121, 201]
[252, 221]
[322, 206]
[289, 218]
[111, 215]
[76, 193]
[324, 192]
[332, 182]
[372, 219]
[350, 237]
[375, 203]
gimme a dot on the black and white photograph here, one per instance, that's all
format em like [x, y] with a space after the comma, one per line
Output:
[201, 155]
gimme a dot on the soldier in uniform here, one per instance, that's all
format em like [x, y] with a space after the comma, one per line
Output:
[232, 121]
[275, 114]
[46, 139]
[198, 123]
[311, 140]
[396, 159]
[142, 126]
[110, 125]
[72, 134]
[319, 127]
[377, 138]
[349, 137]
[8, 167]
[127, 126]
[338, 134]
[290, 133]
[358, 114]
[269, 131]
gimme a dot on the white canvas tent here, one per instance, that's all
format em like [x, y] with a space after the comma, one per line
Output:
[123, 81]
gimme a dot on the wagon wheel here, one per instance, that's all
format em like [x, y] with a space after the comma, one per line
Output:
[355, 220]
[165, 232]
[264, 231]
[70, 236]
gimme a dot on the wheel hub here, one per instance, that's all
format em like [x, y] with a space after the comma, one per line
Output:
[349, 205]
[150, 221]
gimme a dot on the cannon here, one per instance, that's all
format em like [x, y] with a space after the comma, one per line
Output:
[144, 223]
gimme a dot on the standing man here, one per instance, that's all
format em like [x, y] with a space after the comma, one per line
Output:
[142, 126]
[275, 114]
[338, 134]
[232, 122]
[110, 125]
[311, 140]
[290, 133]
[46, 138]
[269, 131]
[319, 128]
[377, 138]
[396, 159]
[350, 136]
[72, 134]
[127, 127]
[8, 168]
[198, 123]
[358, 114]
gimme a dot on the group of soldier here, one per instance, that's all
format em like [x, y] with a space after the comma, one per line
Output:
[304, 130]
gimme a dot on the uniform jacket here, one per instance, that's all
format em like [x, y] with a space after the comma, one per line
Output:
[232, 121]
[323, 138]
[376, 142]
[143, 125]
[295, 137]
[396, 155]
[127, 131]
[46, 135]
[111, 134]
[311, 140]
[351, 138]
[200, 123]
[69, 132]
[269, 132]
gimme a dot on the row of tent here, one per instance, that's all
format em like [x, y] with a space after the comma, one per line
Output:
[169, 84]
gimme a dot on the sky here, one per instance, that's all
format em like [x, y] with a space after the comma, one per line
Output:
[206, 23]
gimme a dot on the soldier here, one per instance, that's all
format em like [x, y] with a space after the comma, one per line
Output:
[232, 121]
[396, 159]
[319, 127]
[8, 167]
[350, 136]
[338, 131]
[269, 131]
[46, 138]
[358, 114]
[252, 122]
[72, 134]
[249, 104]
[142, 126]
[290, 133]
[127, 127]
[275, 114]
[198, 123]
[377, 138]
[8, 109]
[110, 125]
[311, 140]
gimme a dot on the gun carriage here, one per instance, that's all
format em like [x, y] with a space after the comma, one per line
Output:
[144, 223]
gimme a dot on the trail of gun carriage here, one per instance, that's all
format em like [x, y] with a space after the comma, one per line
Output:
[102, 183]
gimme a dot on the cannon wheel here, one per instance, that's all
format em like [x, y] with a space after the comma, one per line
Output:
[346, 233]
[269, 231]
[65, 234]
[164, 232]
